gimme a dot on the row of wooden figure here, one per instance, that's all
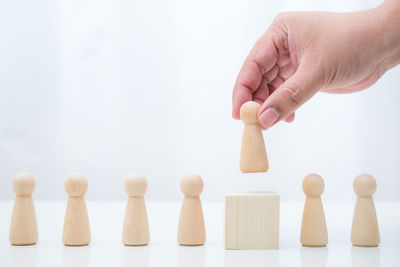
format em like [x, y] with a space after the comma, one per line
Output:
[364, 232]
[191, 229]
[76, 232]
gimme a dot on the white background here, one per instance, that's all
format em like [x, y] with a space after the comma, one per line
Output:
[107, 88]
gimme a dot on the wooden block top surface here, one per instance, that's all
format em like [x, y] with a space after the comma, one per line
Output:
[251, 193]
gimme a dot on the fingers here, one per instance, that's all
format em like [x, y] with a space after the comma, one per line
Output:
[262, 92]
[247, 82]
[289, 96]
[254, 74]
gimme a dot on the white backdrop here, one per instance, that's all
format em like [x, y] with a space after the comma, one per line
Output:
[107, 88]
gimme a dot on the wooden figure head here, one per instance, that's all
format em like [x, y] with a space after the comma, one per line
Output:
[364, 185]
[76, 185]
[23, 184]
[249, 111]
[135, 185]
[191, 185]
[313, 185]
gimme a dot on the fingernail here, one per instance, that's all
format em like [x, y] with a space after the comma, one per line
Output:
[269, 117]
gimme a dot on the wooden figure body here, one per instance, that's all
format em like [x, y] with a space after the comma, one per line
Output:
[313, 226]
[23, 227]
[136, 226]
[253, 156]
[191, 229]
[76, 222]
[365, 230]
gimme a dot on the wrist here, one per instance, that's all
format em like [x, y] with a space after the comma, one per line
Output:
[388, 14]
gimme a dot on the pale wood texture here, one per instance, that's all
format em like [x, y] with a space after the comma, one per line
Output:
[191, 228]
[76, 222]
[253, 156]
[365, 230]
[136, 227]
[23, 227]
[313, 226]
[252, 220]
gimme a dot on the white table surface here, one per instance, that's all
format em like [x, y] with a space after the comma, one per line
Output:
[106, 249]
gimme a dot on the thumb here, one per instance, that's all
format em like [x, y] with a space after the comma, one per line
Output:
[288, 97]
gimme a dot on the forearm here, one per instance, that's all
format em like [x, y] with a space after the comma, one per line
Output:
[389, 13]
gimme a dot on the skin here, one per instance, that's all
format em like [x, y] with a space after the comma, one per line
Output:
[302, 53]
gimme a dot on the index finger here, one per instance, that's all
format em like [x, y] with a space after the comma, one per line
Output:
[261, 59]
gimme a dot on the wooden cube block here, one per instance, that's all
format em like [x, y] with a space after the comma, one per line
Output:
[252, 220]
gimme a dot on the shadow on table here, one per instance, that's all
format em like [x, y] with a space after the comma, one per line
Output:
[136, 256]
[314, 257]
[22, 256]
[365, 256]
[76, 256]
[191, 256]
[253, 258]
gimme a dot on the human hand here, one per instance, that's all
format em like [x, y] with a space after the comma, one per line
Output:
[302, 53]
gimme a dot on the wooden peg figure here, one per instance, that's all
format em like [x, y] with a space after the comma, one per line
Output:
[365, 230]
[23, 228]
[313, 226]
[191, 229]
[136, 226]
[253, 156]
[76, 222]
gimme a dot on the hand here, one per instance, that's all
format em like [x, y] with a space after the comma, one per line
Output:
[305, 52]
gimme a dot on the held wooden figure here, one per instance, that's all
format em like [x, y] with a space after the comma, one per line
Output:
[23, 228]
[76, 222]
[191, 229]
[136, 226]
[313, 226]
[253, 156]
[365, 230]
